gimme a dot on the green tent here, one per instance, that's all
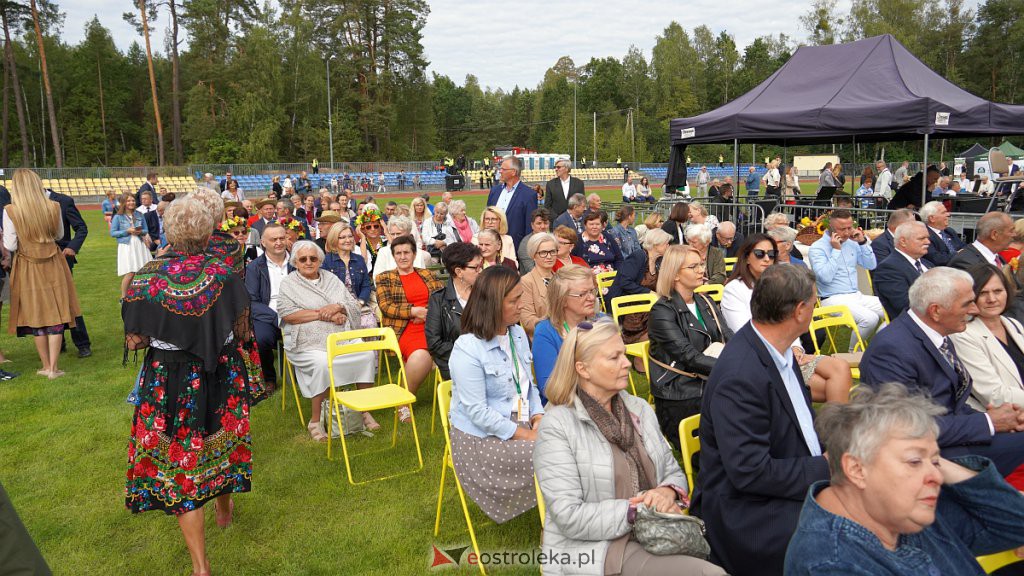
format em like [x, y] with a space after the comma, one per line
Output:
[1010, 150]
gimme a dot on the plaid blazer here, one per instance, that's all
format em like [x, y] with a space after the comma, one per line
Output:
[395, 309]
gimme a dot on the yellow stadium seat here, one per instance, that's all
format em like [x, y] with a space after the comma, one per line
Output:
[604, 282]
[714, 291]
[689, 442]
[632, 304]
[828, 317]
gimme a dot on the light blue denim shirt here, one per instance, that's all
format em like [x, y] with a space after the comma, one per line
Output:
[120, 224]
[837, 269]
[483, 392]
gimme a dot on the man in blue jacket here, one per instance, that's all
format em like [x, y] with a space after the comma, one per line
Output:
[759, 451]
[514, 198]
[71, 218]
[263, 281]
[915, 350]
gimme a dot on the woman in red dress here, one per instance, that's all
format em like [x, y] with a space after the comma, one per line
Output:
[402, 295]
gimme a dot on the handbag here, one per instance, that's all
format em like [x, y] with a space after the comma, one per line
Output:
[664, 534]
[351, 421]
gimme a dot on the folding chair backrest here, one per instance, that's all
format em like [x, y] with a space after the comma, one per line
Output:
[540, 501]
[838, 316]
[604, 282]
[689, 441]
[632, 304]
[444, 403]
[730, 263]
[714, 291]
[368, 340]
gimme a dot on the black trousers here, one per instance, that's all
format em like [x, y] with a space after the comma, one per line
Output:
[79, 334]
[671, 412]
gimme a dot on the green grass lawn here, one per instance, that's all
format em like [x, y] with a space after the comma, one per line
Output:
[63, 462]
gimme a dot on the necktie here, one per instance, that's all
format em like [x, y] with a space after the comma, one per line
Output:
[920, 268]
[999, 261]
[949, 241]
[963, 377]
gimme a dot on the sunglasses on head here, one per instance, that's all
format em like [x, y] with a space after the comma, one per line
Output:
[758, 253]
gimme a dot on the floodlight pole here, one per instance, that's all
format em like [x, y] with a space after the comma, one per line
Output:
[330, 122]
[575, 158]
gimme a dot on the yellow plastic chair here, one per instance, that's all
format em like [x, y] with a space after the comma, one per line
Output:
[444, 402]
[632, 304]
[689, 441]
[992, 562]
[838, 316]
[540, 501]
[730, 263]
[288, 375]
[714, 291]
[604, 282]
[380, 397]
[433, 409]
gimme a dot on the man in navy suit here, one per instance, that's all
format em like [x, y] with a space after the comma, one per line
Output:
[915, 350]
[993, 234]
[573, 215]
[263, 281]
[893, 277]
[72, 220]
[883, 244]
[514, 198]
[945, 242]
[759, 451]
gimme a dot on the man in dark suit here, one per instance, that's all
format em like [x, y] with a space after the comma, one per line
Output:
[915, 350]
[263, 280]
[515, 198]
[558, 190]
[573, 215]
[755, 469]
[893, 277]
[883, 244]
[992, 234]
[945, 242]
[909, 194]
[72, 220]
[148, 186]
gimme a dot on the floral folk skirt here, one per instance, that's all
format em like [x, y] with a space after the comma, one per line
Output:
[190, 438]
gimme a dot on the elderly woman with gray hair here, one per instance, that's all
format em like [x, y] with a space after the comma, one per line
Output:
[785, 239]
[312, 305]
[893, 504]
[399, 226]
[698, 237]
[465, 227]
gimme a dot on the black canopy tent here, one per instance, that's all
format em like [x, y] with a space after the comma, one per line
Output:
[870, 90]
[975, 151]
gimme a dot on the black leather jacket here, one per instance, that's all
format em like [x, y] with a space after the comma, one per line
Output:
[443, 325]
[677, 336]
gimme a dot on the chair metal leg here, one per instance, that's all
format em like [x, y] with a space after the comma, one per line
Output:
[469, 522]
[440, 491]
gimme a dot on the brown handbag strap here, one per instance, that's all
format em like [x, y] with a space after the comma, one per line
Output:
[676, 370]
[714, 314]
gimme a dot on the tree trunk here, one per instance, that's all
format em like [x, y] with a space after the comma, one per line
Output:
[16, 86]
[103, 112]
[152, 86]
[179, 149]
[54, 131]
[6, 115]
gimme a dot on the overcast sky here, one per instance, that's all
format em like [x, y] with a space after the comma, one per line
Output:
[513, 43]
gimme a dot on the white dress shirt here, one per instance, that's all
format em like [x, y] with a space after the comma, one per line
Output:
[505, 198]
[277, 273]
[784, 364]
[987, 254]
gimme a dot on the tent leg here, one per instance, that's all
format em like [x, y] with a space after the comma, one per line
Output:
[924, 174]
[855, 165]
[736, 166]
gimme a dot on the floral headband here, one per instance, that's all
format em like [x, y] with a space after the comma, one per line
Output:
[367, 216]
[293, 225]
[234, 222]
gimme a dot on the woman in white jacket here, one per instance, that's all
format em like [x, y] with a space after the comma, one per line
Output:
[599, 454]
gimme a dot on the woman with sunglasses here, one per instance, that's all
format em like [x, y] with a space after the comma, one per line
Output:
[828, 378]
[238, 227]
[572, 298]
[682, 328]
[567, 238]
[370, 224]
[495, 408]
[463, 263]
[542, 248]
[313, 305]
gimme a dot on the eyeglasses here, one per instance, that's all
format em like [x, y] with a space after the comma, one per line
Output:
[584, 295]
[546, 253]
[373, 227]
[698, 267]
[759, 254]
[307, 259]
[478, 268]
[566, 243]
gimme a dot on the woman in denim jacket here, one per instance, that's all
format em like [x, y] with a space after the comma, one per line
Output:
[129, 228]
[495, 403]
[894, 505]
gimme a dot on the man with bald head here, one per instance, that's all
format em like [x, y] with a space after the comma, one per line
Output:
[993, 234]
[727, 239]
[883, 244]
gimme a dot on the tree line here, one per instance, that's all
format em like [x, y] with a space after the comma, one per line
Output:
[238, 81]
